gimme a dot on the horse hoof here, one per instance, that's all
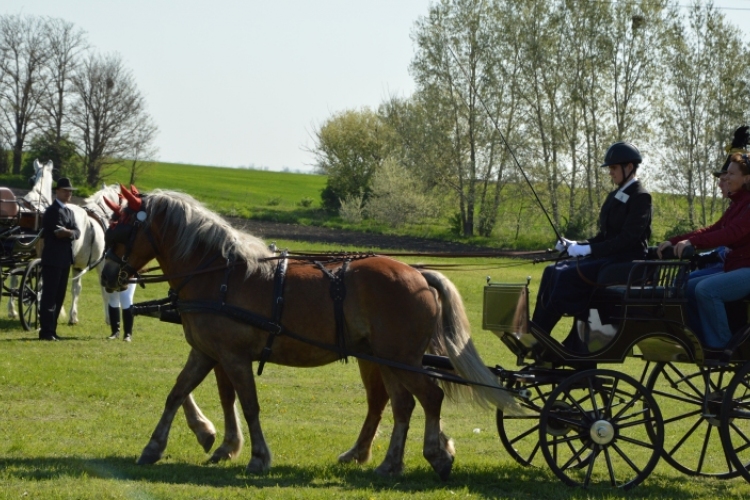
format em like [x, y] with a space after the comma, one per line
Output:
[207, 442]
[388, 470]
[353, 456]
[257, 466]
[148, 458]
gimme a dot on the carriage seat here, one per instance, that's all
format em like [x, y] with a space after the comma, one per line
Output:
[8, 204]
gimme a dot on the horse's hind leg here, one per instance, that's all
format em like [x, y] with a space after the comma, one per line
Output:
[196, 368]
[233, 439]
[75, 292]
[377, 398]
[402, 404]
[240, 372]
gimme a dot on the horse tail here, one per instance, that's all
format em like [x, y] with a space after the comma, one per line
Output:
[453, 339]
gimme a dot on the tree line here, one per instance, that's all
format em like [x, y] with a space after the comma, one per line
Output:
[555, 82]
[60, 100]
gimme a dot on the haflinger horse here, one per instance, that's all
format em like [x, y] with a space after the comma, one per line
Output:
[226, 287]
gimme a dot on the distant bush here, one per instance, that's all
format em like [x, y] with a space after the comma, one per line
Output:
[305, 202]
[272, 202]
[351, 209]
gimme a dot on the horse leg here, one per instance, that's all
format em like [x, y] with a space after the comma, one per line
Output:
[377, 398]
[240, 372]
[195, 370]
[233, 439]
[201, 426]
[402, 405]
[12, 313]
[438, 448]
[75, 291]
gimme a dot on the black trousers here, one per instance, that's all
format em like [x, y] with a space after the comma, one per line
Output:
[54, 287]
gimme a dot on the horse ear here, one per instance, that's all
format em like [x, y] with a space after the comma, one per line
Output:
[134, 190]
[115, 208]
[134, 203]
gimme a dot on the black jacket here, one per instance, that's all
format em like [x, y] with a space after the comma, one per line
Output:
[624, 227]
[58, 252]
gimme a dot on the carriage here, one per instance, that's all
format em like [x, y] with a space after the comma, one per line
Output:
[591, 425]
[20, 269]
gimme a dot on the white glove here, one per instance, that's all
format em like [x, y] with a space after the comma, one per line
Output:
[562, 244]
[578, 250]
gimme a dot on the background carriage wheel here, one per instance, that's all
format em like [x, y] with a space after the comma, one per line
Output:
[735, 421]
[601, 427]
[520, 434]
[690, 399]
[29, 295]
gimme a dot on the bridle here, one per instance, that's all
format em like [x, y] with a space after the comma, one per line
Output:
[133, 222]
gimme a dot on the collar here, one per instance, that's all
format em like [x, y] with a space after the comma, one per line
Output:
[61, 203]
[627, 184]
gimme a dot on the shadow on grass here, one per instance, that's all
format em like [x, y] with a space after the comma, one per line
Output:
[506, 481]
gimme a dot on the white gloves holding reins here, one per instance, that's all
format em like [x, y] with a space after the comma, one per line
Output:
[574, 249]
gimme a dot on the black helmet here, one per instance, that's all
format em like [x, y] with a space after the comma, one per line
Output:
[622, 153]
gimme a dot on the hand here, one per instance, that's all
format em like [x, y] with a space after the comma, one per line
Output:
[563, 244]
[680, 247]
[61, 232]
[663, 246]
[578, 250]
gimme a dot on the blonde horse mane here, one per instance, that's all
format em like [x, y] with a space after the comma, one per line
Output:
[195, 226]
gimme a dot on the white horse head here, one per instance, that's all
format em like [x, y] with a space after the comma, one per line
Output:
[40, 196]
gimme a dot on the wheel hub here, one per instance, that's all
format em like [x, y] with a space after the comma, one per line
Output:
[602, 432]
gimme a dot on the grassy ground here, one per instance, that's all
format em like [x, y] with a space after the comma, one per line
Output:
[76, 414]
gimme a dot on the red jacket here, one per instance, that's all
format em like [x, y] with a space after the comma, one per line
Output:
[731, 230]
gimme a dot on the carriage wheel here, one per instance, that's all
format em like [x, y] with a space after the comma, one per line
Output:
[735, 421]
[30, 294]
[690, 399]
[520, 433]
[601, 426]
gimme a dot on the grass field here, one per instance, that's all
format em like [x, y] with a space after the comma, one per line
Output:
[76, 415]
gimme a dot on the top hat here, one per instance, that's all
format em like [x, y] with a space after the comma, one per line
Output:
[64, 183]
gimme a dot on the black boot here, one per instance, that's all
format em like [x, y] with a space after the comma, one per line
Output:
[127, 323]
[114, 322]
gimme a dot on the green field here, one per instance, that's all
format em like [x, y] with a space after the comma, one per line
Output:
[76, 415]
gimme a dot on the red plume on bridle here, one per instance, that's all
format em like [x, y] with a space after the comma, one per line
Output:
[112, 206]
[133, 199]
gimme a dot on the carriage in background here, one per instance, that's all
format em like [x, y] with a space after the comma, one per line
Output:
[20, 234]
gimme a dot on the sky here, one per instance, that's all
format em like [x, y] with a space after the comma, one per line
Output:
[247, 82]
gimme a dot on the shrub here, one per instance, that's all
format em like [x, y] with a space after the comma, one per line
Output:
[351, 208]
[305, 202]
[275, 201]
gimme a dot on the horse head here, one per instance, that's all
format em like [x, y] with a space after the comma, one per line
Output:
[40, 196]
[129, 241]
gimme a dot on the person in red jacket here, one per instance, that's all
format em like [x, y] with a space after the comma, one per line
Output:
[708, 294]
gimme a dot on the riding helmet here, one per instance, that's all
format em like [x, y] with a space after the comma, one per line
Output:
[622, 153]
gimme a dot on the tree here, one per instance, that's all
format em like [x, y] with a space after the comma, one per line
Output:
[65, 43]
[108, 114]
[23, 54]
[350, 146]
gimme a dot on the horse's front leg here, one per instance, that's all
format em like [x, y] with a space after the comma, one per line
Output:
[196, 368]
[75, 291]
[240, 372]
[233, 439]
[12, 314]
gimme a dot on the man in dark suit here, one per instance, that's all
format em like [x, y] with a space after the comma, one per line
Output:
[624, 231]
[59, 229]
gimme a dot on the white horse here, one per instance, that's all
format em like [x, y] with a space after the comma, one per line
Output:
[38, 199]
[92, 219]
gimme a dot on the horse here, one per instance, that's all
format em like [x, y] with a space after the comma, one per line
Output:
[36, 200]
[387, 313]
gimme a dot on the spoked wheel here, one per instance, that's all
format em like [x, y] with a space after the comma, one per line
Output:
[520, 433]
[690, 399]
[735, 421]
[599, 427]
[30, 295]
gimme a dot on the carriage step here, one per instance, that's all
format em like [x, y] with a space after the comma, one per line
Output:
[441, 362]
